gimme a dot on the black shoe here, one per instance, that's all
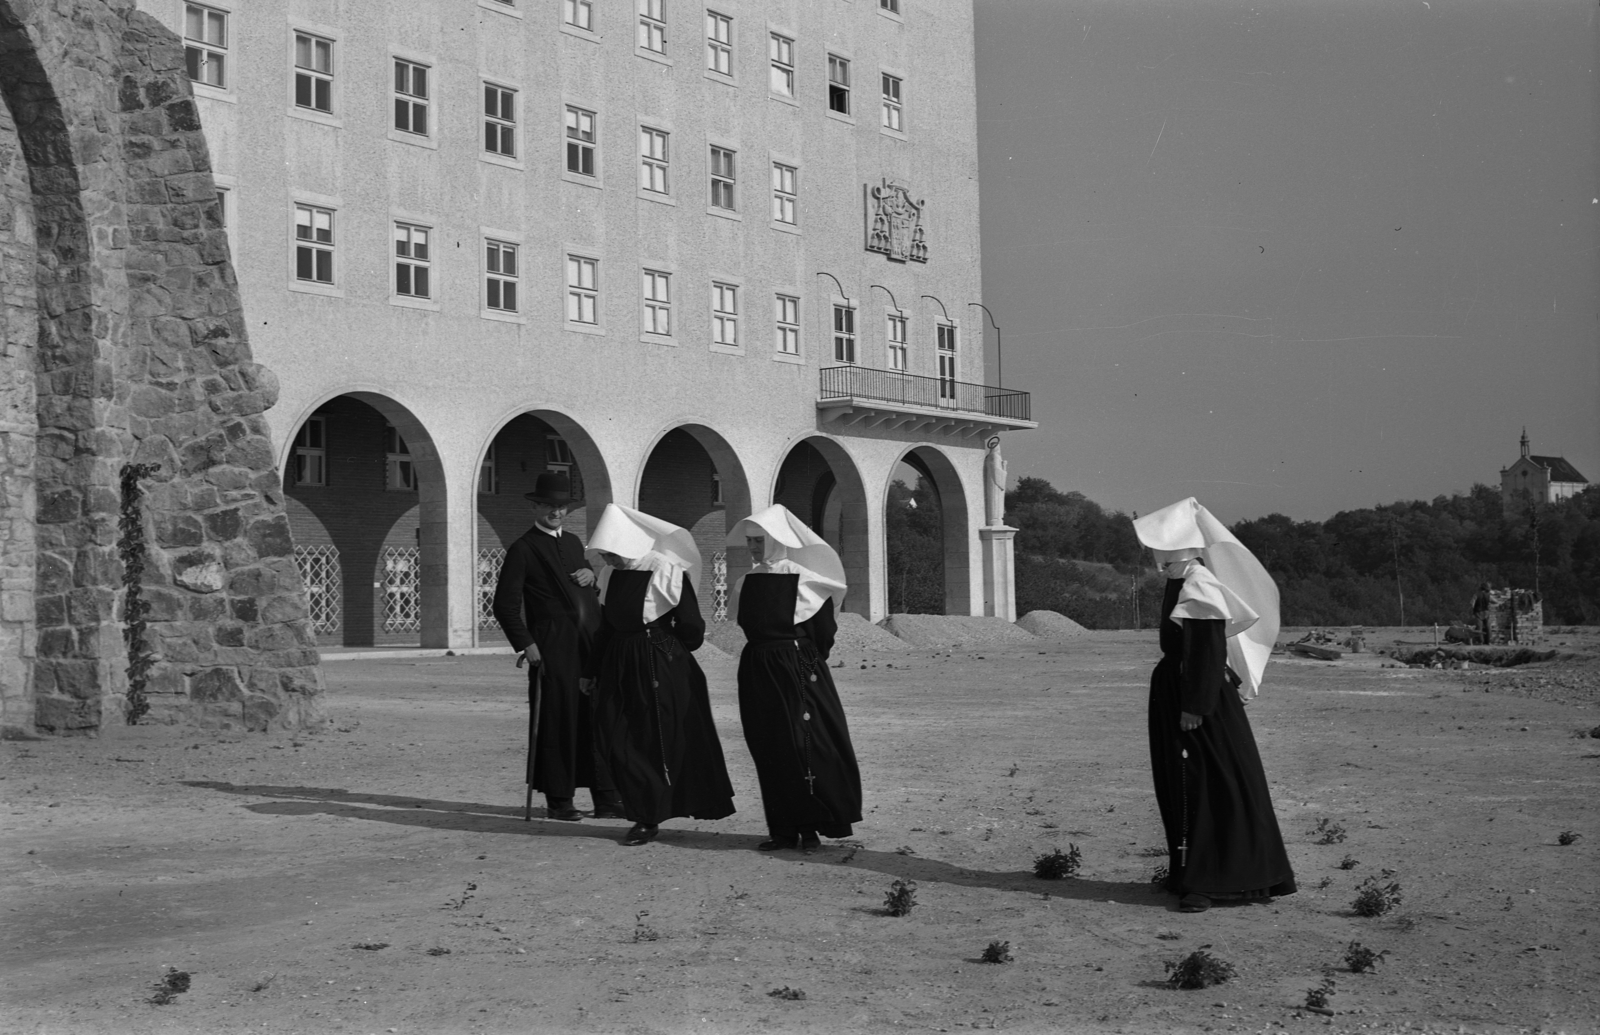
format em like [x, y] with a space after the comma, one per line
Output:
[810, 842]
[565, 813]
[776, 844]
[640, 834]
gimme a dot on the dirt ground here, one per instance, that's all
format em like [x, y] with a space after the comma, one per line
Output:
[378, 877]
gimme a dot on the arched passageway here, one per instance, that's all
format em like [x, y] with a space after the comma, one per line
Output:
[821, 484]
[928, 566]
[693, 478]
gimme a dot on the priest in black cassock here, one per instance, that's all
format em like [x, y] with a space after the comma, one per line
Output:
[546, 603]
[1219, 618]
[793, 722]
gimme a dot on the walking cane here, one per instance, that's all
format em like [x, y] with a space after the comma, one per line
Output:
[533, 735]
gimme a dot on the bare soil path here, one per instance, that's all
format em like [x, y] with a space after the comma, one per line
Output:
[259, 863]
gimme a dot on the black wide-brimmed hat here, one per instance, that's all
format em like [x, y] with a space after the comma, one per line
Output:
[553, 489]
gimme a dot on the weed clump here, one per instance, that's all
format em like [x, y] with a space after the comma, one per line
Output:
[643, 932]
[1327, 832]
[173, 983]
[791, 994]
[1359, 958]
[438, 951]
[1349, 862]
[1568, 837]
[1160, 876]
[1374, 898]
[1199, 969]
[1058, 864]
[997, 952]
[1317, 998]
[370, 946]
[901, 899]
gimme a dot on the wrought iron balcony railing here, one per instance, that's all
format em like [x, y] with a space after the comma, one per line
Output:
[932, 393]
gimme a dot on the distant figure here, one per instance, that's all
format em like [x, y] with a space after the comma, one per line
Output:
[1219, 618]
[653, 723]
[793, 722]
[994, 485]
[1480, 611]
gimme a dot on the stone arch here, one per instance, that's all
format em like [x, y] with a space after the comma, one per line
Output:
[819, 481]
[940, 472]
[692, 476]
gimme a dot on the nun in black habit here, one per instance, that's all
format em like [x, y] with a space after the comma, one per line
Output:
[1219, 618]
[793, 722]
[653, 714]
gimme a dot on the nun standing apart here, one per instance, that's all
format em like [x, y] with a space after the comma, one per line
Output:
[793, 721]
[1219, 618]
[653, 715]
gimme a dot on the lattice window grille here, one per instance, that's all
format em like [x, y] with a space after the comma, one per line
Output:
[402, 589]
[719, 586]
[324, 582]
[490, 559]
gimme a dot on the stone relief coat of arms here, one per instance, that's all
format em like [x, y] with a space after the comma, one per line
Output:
[894, 223]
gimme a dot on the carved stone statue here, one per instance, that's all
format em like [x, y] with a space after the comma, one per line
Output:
[994, 485]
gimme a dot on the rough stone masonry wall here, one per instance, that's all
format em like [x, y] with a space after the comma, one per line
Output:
[19, 425]
[142, 357]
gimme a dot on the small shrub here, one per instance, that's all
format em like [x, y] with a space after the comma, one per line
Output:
[1325, 883]
[791, 994]
[437, 951]
[1199, 969]
[1374, 898]
[1568, 837]
[1014, 769]
[1349, 862]
[643, 932]
[1317, 998]
[1327, 832]
[901, 899]
[1160, 876]
[172, 984]
[997, 952]
[370, 946]
[1058, 864]
[1359, 958]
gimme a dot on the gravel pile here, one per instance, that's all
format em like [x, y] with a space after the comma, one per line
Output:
[948, 631]
[1051, 625]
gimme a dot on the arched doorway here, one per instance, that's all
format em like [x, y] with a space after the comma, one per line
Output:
[820, 483]
[365, 493]
[693, 478]
[928, 565]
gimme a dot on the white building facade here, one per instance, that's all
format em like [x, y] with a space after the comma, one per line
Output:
[702, 256]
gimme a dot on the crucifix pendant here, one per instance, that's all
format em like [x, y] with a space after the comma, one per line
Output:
[811, 783]
[1183, 853]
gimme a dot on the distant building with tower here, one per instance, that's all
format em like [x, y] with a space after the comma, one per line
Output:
[1536, 480]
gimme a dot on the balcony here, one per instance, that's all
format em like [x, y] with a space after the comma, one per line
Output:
[868, 398]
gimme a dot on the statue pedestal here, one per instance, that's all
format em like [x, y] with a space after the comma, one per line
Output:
[999, 571]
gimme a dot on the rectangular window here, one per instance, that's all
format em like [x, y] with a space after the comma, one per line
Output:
[785, 198]
[657, 302]
[580, 141]
[719, 43]
[488, 474]
[653, 160]
[722, 178]
[583, 290]
[891, 103]
[311, 452]
[313, 250]
[897, 342]
[892, 6]
[653, 26]
[500, 276]
[578, 13]
[558, 456]
[787, 311]
[838, 84]
[947, 362]
[205, 44]
[410, 97]
[716, 489]
[724, 314]
[400, 474]
[844, 334]
[411, 261]
[313, 72]
[499, 120]
[781, 49]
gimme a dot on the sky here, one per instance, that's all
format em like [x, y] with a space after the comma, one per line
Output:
[1295, 256]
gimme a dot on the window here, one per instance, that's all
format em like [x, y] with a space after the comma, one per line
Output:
[578, 13]
[892, 6]
[788, 320]
[313, 251]
[947, 361]
[488, 474]
[411, 261]
[499, 120]
[716, 489]
[223, 201]
[400, 475]
[653, 160]
[724, 314]
[410, 97]
[844, 334]
[722, 178]
[583, 290]
[838, 84]
[558, 458]
[657, 302]
[205, 46]
[311, 452]
[783, 193]
[652, 26]
[891, 103]
[500, 276]
[897, 342]
[313, 72]
[580, 141]
[719, 43]
[782, 51]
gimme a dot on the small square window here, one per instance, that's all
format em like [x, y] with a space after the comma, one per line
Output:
[500, 120]
[719, 43]
[410, 97]
[657, 302]
[653, 26]
[787, 312]
[313, 252]
[205, 44]
[313, 72]
[412, 261]
[583, 290]
[723, 179]
[580, 141]
[724, 314]
[500, 276]
[838, 84]
[653, 160]
[892, 112]
[785, 197]
[781, 49]
[578, 13]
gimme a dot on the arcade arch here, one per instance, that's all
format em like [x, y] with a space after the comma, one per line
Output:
[944, 490]
[693, 477]
[821, 484]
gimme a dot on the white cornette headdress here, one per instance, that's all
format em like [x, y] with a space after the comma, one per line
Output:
[1232, 586]
[794, 549]
[649, 544]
